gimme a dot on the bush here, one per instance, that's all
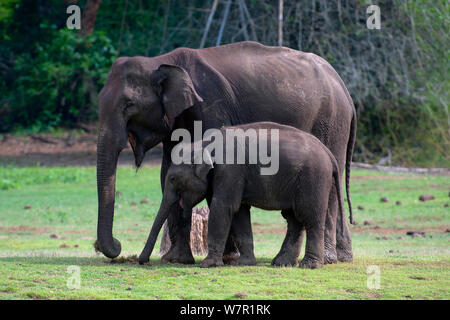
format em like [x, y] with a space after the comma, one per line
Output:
[59, 85]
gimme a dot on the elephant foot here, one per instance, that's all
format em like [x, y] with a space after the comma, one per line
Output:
[344, 249]
[344, 255]
[246, 261]
[330, 256]
[284, 261]
[210, 262]
[143, 259]
[178, 256]
[231, 258]
[310, 263]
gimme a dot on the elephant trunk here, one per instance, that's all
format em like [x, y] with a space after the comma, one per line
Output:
[161, 217]
[106, 185]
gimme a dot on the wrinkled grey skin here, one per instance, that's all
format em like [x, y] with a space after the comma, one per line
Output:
[145, 99]
[301, 189]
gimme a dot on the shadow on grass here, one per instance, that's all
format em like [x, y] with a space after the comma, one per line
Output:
[103, 262]
[85, 261]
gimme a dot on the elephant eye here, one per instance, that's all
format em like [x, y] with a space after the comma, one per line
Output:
[128, 104]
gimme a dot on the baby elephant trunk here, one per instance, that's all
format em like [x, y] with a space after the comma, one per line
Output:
[157, 225]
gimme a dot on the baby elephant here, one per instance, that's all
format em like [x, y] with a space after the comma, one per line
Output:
[301, 185]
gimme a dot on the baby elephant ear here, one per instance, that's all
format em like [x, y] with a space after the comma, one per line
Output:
[174, 87]
[202, 169]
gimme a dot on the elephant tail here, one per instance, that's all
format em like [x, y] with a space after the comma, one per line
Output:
[348, 161]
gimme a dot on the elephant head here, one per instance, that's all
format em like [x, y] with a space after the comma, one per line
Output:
[186, 184]
[138, 103]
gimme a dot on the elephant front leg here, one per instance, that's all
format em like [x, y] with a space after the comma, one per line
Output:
[242, 235]
[292, 244]
[231, 252]
[219, 224]
[179, 227]
[179, 234]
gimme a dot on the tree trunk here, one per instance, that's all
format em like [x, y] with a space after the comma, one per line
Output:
[89, 16]
[280, 22]
[199, 233]
[208, 23]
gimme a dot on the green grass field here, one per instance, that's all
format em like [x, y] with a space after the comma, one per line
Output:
[40, 245]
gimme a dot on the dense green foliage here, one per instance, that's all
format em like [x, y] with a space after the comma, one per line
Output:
[59, 86]
[397, 76]
[54, 80]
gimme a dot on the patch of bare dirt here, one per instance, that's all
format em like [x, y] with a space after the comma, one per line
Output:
[71, 148]
[365, 178]
[374, 295]
[379, 230]
[262, 229]
[375, 229]
[17, 229]
[133, 259]
[391, 169]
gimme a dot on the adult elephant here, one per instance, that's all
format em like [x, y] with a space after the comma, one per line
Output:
[145, 99]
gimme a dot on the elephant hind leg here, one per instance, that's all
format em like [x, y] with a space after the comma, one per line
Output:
[330, 229]
[231, 252]
[343, 242]
[292, 244]
[311, 212]
[314, 249]
[314, 253]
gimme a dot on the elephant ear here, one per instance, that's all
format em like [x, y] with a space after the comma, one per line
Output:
[174, 87]
[203, 163]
